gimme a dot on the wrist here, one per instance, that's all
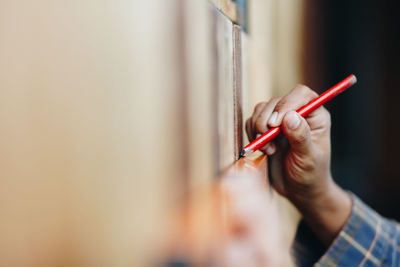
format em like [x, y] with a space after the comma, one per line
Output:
[326, 210]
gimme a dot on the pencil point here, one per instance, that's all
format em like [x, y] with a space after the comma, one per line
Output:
[245, 152]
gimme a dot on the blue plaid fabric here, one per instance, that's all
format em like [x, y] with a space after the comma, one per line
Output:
[367, 239]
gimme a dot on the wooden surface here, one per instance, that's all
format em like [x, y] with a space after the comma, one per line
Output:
[237, 90]
[245, 97]
[199, 56]
[86, 88]
[260, 52]
[224, 97]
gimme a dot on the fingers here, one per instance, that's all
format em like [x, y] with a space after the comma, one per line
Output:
[297, 132]
[297, 98]
[249, 130]
[250, 122]
[271, 114]
[260, 123]
[257, 124]
[269, 148]
[320, 120]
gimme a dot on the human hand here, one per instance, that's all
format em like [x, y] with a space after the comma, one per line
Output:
[300, 161]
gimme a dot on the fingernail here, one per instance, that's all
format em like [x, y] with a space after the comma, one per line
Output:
[292, 120]
[271, 149]
[273, 118]
[258, 135]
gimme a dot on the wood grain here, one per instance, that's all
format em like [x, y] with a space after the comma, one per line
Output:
[246, 108]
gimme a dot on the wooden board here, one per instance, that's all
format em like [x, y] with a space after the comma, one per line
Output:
[91, 131]
[200, 110]
[246, 108]
[224, 91]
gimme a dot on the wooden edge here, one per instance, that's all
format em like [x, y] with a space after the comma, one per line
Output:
[237, 89]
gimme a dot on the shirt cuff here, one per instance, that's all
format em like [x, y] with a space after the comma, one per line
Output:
[364, 240]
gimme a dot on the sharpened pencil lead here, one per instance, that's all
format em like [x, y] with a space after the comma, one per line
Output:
[245, 152]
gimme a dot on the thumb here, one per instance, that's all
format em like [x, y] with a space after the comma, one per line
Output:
[298, 133]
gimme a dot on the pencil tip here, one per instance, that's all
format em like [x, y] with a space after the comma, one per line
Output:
[242, 153]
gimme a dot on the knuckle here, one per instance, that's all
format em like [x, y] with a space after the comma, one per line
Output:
[305, 90]
[260, 126]
[281, 105]
[274, 100]
[301, 88]
[259, 106]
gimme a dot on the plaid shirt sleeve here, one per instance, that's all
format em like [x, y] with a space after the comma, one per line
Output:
[367, 239]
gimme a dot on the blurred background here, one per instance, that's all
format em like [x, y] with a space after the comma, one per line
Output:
[117, 115]
[360, 37]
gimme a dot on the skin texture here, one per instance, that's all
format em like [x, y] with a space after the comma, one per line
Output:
[300, 160]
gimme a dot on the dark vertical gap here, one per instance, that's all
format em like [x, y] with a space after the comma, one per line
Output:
[237, 89]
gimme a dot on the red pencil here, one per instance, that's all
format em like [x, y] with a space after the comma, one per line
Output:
[304, 111]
